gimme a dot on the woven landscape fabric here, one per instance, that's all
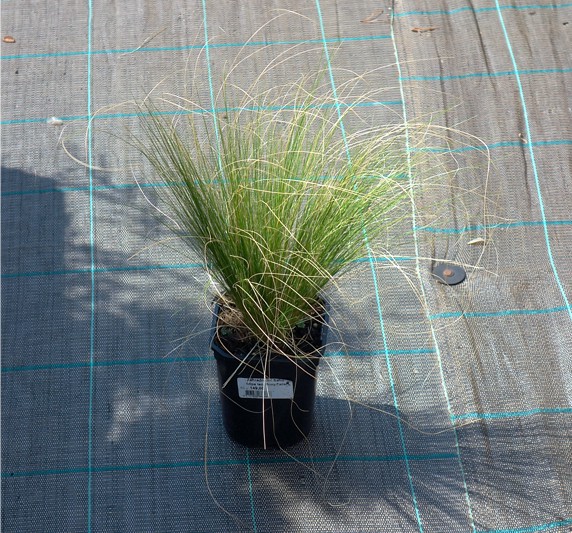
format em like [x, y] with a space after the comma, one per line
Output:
[440, 408]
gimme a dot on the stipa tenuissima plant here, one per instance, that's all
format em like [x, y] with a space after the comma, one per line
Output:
[277, 202]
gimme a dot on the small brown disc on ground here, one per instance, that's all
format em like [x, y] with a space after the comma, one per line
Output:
[9, 39]
[449, 274]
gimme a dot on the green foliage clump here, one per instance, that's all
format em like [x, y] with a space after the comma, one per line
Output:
[278, 201]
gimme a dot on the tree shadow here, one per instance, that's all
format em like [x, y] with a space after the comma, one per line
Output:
[110, 402]
[105, 365]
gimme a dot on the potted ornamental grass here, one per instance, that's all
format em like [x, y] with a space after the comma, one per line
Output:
[278, 201]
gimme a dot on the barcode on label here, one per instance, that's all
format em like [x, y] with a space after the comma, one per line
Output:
[253, 393]
[275, 389]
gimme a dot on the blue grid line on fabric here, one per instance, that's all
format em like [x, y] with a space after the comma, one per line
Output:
[513, 414]
[108, 363]
[128, 186]
[141, 268]
[332, 82]
[376, 288]
[503, 225]
[377, 295]
[213, 111]
[220, 165]
[482, 9]
[92, 266]
[533, 160]
[124, 186]
[196, 359]
[370, 353]
[499, 74]
[496, 314]
[76, 271]
[492, 146]
[422, 288]
[530, 529]
[230, 462]
[333, 40]
[250, 492]
[97, 188]
[436, 316]
[121, 187]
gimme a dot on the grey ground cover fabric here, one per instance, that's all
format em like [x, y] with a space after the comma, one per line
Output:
[439, 409]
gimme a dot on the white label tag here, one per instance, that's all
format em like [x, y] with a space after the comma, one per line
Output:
[275, 389]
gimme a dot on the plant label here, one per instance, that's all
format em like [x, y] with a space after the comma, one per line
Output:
[275, 389]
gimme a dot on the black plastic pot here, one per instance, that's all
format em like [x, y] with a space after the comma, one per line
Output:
[273, 408]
